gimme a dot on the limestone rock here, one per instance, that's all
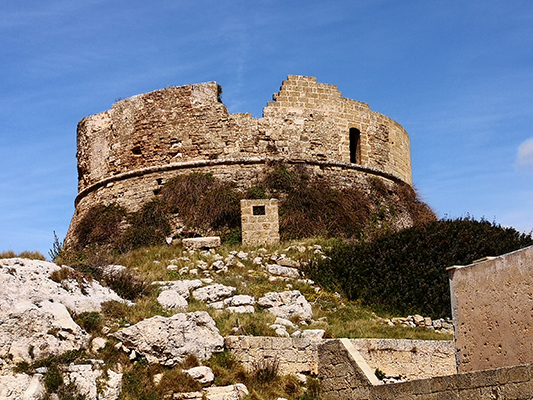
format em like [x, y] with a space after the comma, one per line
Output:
[202, 374]
[182, 287]
[33, 331]
[91, 381]
[213, 293]
[98, 343]
[286, 322]
[279, 270]
[231, 392]
[29, 280]
[169, 340]
[287, 304]
[188, 396]
[313, 334]
[35, 321]
[21, 386]
[240, 304]
[201, 243]
[172, 300]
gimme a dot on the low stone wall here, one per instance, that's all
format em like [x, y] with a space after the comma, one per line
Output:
[346, 375]
[294, 355]
[509, 383]
[410, 359]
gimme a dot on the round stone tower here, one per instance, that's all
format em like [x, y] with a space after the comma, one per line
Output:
[127, 153]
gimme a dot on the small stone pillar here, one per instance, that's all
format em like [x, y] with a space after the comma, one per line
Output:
[260, 221]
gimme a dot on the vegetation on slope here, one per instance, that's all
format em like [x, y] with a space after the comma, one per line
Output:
[405, 272]
[202, 205]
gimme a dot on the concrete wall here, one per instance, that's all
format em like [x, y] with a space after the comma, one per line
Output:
[492, 307]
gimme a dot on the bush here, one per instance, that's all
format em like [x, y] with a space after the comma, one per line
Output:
[100, 225]
[91, 322]
[405, 272]
[149, 226]
[127, 285]
[202, 202]
[32, 255]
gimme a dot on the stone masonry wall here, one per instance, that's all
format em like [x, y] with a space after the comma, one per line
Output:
[413, 359]
[345, 375]
[410, 359]
[260, 227]
[492, 307]
[297, 355]
[126, 153]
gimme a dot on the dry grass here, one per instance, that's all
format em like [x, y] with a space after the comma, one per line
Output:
[32, 255]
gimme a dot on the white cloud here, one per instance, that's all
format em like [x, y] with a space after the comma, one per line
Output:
[525, 155]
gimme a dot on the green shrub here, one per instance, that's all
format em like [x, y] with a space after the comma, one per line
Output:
[91, 321]
[405, 272]
[53, 379]
[100, 225]
[127, 285]
[203, 203]
[149, 226]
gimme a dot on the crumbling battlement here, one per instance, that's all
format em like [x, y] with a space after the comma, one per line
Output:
[126, 153]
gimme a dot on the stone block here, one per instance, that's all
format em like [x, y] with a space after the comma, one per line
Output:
[209, 242]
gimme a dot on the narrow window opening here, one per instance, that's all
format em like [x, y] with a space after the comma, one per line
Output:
[355, 151]
[258, 210]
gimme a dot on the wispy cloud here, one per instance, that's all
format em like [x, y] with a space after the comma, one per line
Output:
[524, 159]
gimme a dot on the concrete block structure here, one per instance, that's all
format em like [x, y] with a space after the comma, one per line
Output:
[492, 309]
[260, 221]
[127, 153]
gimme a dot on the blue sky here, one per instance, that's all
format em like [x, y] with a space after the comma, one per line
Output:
[457, 75]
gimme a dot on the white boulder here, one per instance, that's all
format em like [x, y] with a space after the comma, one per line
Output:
[213, 293]
[231, 392]
[172, 300]
[21, 386]
[168, 341]
[204, 375]
[287, 304]
[279, 270]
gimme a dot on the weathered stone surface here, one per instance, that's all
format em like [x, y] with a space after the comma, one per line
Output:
[43, 328]
[33, 309]
[282, 271]
[188, 396]
[213, 293]
[191, 131]
[91, 381]
[313, 334]
[29, 280]
[21, 387]
[231, 392]
[182, 287]
[202, 374]
[169, 340]
[172, 300]
[208, 242]
[287, 304]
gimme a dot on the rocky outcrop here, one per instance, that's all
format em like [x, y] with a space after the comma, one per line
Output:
[168, 341]
[287, 304]
[34, 308]
[21, 386]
